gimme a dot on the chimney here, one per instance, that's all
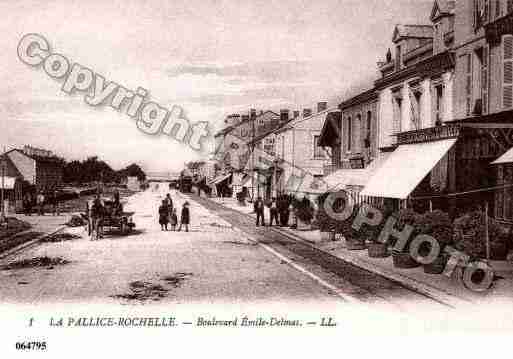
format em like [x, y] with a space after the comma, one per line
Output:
[307, 112]
[284, 116]
[296, 114]
[253, 114]
[322, 106]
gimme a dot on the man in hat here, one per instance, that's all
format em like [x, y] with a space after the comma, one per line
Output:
[185, 217]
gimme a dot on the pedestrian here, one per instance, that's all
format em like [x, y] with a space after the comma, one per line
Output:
[96, 213]
[185, 217]
[163, 216]
[169, 204]
[27, 204]
[273, 212]
[173, 220]
[259, 210]
[40, 200]
[54, 202]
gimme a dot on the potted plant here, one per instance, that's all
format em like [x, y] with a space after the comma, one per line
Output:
[436, 224]
[326, 224]
[402, 258]
[241, 198]
[353, 239]
[470, 236]
[304, 213]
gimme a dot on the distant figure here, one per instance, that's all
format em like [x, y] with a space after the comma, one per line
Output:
[185, 217]
[274, 213]
[163, 216]
[173, 220]
[54, 202]
[40, 200]
[169, 204]
[259, 210]
[97, 211]
[27, 204]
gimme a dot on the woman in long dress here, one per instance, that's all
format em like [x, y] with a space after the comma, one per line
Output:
[163, 216]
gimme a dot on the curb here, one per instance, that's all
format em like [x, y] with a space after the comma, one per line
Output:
[25, 245]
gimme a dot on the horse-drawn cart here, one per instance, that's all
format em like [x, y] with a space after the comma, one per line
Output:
[112, 218]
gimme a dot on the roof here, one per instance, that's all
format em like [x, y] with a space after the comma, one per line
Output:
[412, 31]
[442, 8]
[50, 159]
[505, 158]
[230, 128]
[359, 98]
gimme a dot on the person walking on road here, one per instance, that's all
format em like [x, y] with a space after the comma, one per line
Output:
[173, 220]
[97, 211]
[185, 217]
[163, 216]
[259, 210]
[40, 200]
[169, 204]
[54, 202]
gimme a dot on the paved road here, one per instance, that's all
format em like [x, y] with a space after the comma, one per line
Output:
[210, 264]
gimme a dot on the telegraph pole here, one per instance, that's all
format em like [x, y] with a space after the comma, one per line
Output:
[3, 164]
[252, 148]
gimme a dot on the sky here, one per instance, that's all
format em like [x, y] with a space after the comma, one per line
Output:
[211, 57]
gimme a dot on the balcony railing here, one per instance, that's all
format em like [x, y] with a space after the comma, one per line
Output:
[428, 134]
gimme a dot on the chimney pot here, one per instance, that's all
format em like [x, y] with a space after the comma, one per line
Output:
[322, 106]
[296, 114]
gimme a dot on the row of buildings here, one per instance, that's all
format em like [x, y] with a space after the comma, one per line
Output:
[434, 130]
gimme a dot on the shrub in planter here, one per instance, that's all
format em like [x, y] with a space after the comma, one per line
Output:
[402, 258]
[470, 236]
[241, 198]
[353, 238]
[326, 224]
[304, 211]
[436, 224]
[370, 235]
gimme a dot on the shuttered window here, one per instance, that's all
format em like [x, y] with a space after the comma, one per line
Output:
[498, 11]
[468, 83]
[509, 7]
[507, 86]
[484, 78]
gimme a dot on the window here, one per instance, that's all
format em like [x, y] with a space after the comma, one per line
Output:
[349, 133]
[398, 58]
[468, 83]
[509, 7]
[507, 84]
[357, 133]
[318, 150]
[484, 79]
[368, 130]
[397, 106]
[439, 94]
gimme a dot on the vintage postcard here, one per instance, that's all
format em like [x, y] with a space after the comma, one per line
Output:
[232, 178]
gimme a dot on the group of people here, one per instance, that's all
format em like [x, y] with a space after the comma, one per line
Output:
[39, 200]
[279, 210]
[168, 215]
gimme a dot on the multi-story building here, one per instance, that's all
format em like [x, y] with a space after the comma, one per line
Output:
[416, 105]
[351, 134]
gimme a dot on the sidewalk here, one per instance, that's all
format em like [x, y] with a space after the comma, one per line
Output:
[439, 287]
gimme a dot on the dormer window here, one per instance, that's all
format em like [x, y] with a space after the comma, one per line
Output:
[398, 58]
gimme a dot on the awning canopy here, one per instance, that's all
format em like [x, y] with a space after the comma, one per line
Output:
[505, 158]
[219, 179]
[354, 177]
[405, 168]
[9, 182]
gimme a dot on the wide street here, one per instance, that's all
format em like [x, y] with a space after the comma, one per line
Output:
[218, 261]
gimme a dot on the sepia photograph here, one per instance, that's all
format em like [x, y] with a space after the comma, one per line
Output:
[256, 178]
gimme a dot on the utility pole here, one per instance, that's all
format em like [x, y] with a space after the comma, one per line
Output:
[3, 164]
[252, 148]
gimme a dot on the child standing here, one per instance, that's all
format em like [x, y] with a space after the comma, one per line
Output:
[173, 220]
[185, 217]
